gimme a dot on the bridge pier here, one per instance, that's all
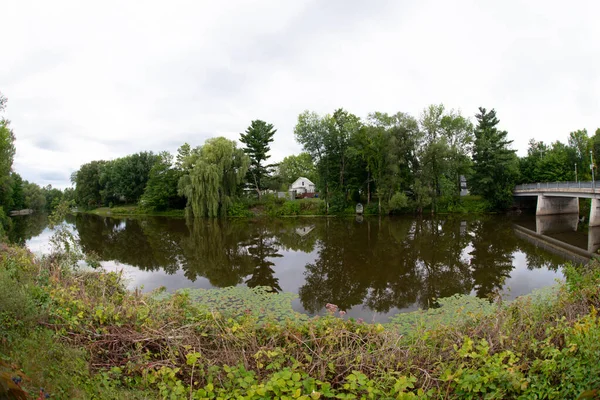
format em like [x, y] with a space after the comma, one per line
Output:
[595, 212]
[550, 205]
[593, 239]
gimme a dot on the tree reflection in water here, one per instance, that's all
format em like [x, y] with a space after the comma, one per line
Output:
[381, 263]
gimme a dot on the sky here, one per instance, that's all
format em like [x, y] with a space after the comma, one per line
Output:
[99, 80]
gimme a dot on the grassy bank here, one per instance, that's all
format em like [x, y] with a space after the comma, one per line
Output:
[133, 210]
[81, 334]
[270, 206]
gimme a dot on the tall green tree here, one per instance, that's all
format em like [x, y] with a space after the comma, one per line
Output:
[328, 140]
[387, 145]
[35, 198]
[87, 184]
[53, 197]
[443, 154]
[161, 190]
[257, 139]
[294, 166]
[581, 144]
[529, 166]
[557, 164]
[595, 147]
[7, 154]
[311, 132]
[124, 179]
[495, 164]
[215, 171]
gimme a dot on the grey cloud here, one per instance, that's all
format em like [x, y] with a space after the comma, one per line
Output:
[48, 143]
[54, 176]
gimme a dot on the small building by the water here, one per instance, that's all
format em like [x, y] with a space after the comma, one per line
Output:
[464, 190]
[302, 185]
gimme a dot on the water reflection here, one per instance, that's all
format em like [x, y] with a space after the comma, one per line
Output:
[382, 264]
[26, 227]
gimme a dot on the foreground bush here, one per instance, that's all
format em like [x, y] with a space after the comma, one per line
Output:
[81, 334]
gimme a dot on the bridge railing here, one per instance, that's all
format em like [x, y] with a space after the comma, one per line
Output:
[558, 185]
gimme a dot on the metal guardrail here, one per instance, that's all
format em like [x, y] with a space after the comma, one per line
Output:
[558, 185]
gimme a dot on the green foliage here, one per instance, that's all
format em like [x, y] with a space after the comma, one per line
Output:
[259, 302]
[53, 197]
[328, 141]
[7, 145]
[5, 224]
[35, 198]
[294, 166]
[257, 139]
[495, 165]
[464, 205]
[215, 171]
[160, 193]
[239, 209]
[448, 310]
[398, 202]
[124, 179]
[87, 184]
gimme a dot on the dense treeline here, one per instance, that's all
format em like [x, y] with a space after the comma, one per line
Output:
[391, 162]
[558, 162]
[395, 163]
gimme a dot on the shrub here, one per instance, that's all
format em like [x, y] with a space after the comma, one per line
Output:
[398, 203]
[239, 209]
[5, 224]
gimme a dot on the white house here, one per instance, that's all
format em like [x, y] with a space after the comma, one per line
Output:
[303, 185]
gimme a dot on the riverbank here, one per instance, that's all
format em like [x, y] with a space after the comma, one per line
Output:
[274, 207]
[81, 334]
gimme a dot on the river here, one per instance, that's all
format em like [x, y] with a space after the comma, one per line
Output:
[371, 267]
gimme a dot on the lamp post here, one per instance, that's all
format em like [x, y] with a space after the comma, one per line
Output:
[592, 168]
[576, 180]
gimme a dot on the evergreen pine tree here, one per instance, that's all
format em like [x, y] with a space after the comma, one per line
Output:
[495, 165]
[257, 138]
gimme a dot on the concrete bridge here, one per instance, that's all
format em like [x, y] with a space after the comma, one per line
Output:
[555, 198]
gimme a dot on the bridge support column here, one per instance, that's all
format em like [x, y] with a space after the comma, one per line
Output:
[558, 205]
[593, 238]
[595, 213]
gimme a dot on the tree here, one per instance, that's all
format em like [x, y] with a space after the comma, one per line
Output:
[386, 144]
[495, 165]
[53, 197]
[34, 196]
[328, 140]
[87, 184]
[257, 138]
[529, 166]
[581, 144]
[215, 171]
[124, 179]
[294, 166]
[311, 131]
[7, 146]
[161, 190]
[557, 164]
[595, 144]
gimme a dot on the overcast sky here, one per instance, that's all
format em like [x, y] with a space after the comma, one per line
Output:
[98, 80]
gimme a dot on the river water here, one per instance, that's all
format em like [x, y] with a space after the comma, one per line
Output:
[371, 267]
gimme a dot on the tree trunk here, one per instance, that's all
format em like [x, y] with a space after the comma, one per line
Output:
[256, 186]
[369, 188]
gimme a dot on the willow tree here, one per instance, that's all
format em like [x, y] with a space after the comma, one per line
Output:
[215, 171]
